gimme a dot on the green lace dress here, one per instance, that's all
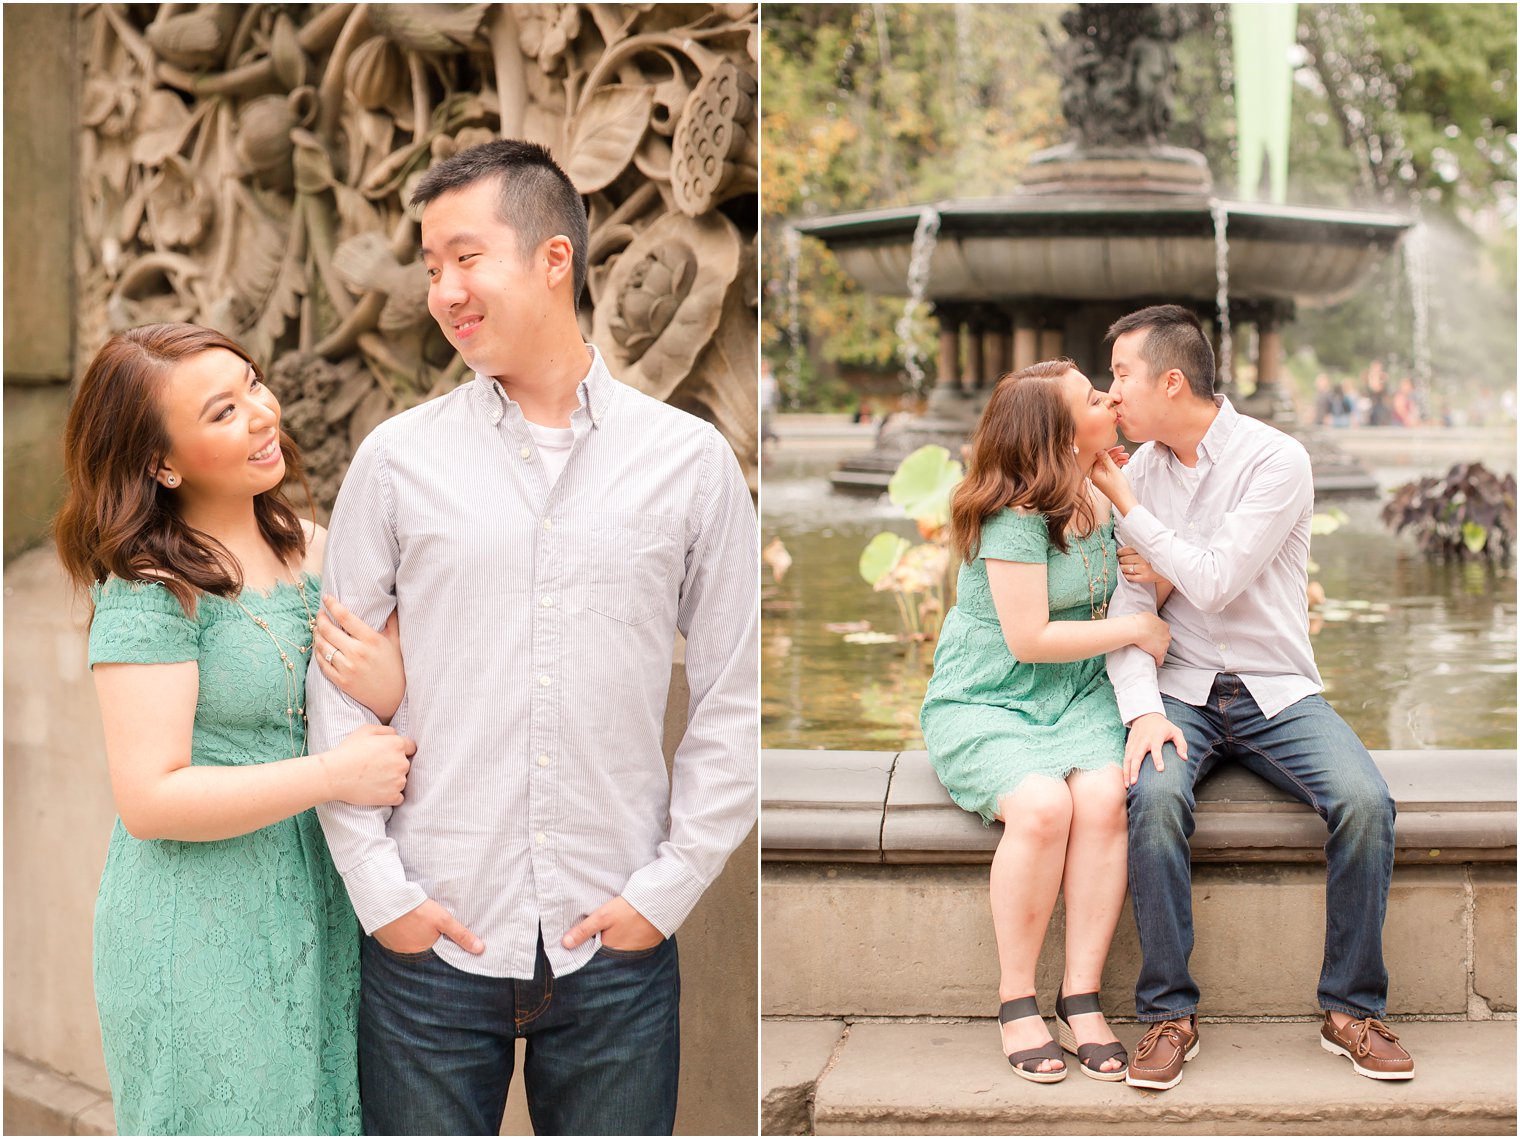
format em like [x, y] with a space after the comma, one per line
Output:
[989, 719]
[226, 973]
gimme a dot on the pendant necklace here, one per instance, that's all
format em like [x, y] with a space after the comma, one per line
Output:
[1098, 608]
[294, 701]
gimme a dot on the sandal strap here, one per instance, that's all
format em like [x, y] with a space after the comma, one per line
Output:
[1094, 1056]
[1018, 1009]
[1079, 1003]
[1050, 1050]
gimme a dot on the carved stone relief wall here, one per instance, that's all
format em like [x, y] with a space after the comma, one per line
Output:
[247, 167]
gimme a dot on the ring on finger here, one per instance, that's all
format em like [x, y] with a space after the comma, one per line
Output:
[328, 656]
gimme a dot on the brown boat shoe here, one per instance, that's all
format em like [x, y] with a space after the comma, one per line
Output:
[1165, 1047]
[1372, 1047]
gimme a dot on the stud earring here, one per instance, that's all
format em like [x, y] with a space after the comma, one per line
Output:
[171, 480]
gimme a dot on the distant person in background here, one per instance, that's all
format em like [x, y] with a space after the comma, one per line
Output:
[1332, 405]
[1350, 411]
[1406, 404]
[770, 397]
[1379, 412]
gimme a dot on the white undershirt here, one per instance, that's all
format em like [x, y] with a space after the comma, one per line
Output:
[553, 445]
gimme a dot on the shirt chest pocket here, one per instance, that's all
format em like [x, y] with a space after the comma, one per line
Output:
[631, 564]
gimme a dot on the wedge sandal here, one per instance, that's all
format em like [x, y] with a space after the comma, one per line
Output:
[1091, 1057]
[1018, 1009]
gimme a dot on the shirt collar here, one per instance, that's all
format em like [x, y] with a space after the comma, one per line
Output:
[593, 393]
[1219, 432]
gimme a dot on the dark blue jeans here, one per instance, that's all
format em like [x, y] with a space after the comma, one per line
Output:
[1308, 751]
[603, 1052]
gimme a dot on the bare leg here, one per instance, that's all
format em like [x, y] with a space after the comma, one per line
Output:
[1026, 874]
[1094, 890]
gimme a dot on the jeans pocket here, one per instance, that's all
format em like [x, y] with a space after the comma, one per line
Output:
[606, 950]
[405, 958]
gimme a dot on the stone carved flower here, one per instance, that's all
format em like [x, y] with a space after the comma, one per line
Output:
[663, 298]
[376, 78]
[109, 105]
[178, 207]
[653, 292]
[715, 153]
[545, 31]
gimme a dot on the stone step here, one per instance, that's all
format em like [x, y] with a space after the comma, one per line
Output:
[917, 1078]
[854, 940]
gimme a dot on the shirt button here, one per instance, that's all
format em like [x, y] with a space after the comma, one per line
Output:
[544, 681]
[1221, 646]
[543, 761]
[527, 452]
[548, 525]
[542, 838]
[546, 601]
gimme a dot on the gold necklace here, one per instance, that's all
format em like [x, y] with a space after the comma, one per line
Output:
[294, 699]
[1099, 609]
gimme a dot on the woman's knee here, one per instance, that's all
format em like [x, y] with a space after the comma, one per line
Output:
[1039, 809]
[1098, 800]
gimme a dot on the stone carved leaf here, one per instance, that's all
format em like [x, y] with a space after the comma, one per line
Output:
[165, 123]
[604, 134]
[268, 274]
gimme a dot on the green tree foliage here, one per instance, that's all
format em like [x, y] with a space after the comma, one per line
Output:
[882, 105]
[1405, 107]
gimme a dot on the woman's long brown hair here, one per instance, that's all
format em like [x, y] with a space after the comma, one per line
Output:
[116, 518]
[1021, 456]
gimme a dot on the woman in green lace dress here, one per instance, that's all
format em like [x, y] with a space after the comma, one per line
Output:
[226, 951]
[1020, 719]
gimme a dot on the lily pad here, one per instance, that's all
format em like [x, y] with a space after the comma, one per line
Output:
[881, 555]
[923, 483]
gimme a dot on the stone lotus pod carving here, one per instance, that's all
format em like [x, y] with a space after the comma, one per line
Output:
[715, 150]
[648, 286]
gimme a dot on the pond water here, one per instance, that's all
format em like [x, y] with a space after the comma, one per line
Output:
[1414, 654]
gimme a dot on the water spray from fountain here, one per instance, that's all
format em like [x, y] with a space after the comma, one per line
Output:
[1223, 367]
[925, 236]
[791, 246]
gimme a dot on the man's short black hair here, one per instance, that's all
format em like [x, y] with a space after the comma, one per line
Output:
[1175, 340]
[537, 199]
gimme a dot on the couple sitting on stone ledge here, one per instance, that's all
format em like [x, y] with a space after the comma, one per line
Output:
[1025, 724]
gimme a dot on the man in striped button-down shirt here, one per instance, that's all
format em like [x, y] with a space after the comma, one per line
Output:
[543, 532]
[1220, 507]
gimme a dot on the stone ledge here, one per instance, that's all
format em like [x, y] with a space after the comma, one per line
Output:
[836, 806]
[39, 1101]
[937, 1078]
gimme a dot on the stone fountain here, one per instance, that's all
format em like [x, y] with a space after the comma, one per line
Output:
[1106, 223]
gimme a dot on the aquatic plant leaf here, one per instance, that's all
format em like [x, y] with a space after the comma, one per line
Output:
[881, 555]
[923, 482]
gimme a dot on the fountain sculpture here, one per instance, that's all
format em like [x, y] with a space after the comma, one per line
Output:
[1108, 222]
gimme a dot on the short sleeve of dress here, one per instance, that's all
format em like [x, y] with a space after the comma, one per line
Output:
[1010, 536]
[140, 623]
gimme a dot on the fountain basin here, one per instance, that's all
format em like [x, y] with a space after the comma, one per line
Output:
[1114, 248]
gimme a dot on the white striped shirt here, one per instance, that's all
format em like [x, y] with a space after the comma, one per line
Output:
[1232, 535]
[537, 625]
